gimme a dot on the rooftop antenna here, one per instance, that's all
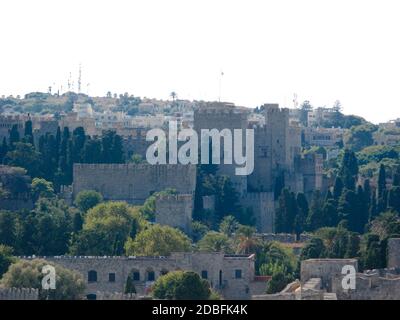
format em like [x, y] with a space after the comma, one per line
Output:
[69, 81]
[295, 101]
[220, 85]
[80, 78]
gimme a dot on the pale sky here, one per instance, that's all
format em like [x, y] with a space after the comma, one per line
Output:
[268, 50]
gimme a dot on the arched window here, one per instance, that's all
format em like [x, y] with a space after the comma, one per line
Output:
[92, 276]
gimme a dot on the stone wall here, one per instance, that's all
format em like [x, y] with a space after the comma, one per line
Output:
[369, 286]
[326, 269]
[19, 294]
[231, 275]
[175, 211]
[394, 253]
[224, 116]
[133, 183]
[262, 206]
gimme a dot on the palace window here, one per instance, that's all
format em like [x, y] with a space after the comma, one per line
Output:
[238, 274]
[92, 276]
[111, 277]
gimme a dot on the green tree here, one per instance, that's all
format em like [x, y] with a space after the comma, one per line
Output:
[382, 191]
[278, 282]
[107, 227]
[28, 274]
[329, 213]
[371, 252]
[348, 209]
[92, 151]
[88, 199]
[47, 229]
[286, 212]
[28, 132]
[313, 249]
[302, 213]
[8, 228]
[6, 258]
[25, 156]
[78, 142]
[246, 243]
[394, 198]
[3, 150]
[272, 257]
[315, 218]
[198, 230]
[360, 136]
[130, 285]
[78, 222]
[158, 240]
[14, 136]
[305, 108]
[215, 242]
[348, 170]
[181, 285]
[228, 225]
[136, 159]
[338, 188]
[41, 188]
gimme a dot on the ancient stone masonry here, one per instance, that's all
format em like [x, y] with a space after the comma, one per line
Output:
[223, 116]
[19, 294]
[394, 253]
[262, 207]
[311, 167]
[326, 269]
[133, 183]
[371, 285]
[231, 275]
[175, 211]
[40, 125]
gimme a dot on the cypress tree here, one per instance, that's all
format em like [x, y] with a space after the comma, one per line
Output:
[315, 219]
[3, 150]
[28, 133]
[14, 136]
[338, 188]
[349, 169]
[382, 192]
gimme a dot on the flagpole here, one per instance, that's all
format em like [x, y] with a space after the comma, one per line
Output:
[220, 86]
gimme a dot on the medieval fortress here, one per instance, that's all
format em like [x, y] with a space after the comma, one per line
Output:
[277, 159]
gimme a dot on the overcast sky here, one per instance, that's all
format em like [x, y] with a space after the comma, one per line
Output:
[268, 50]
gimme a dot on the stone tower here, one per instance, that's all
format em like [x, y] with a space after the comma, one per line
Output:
[219, 115]
[175, 211]
[271, 148]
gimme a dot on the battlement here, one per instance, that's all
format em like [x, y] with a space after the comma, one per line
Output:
[19, 294]
[175, 197]
[133, 183]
